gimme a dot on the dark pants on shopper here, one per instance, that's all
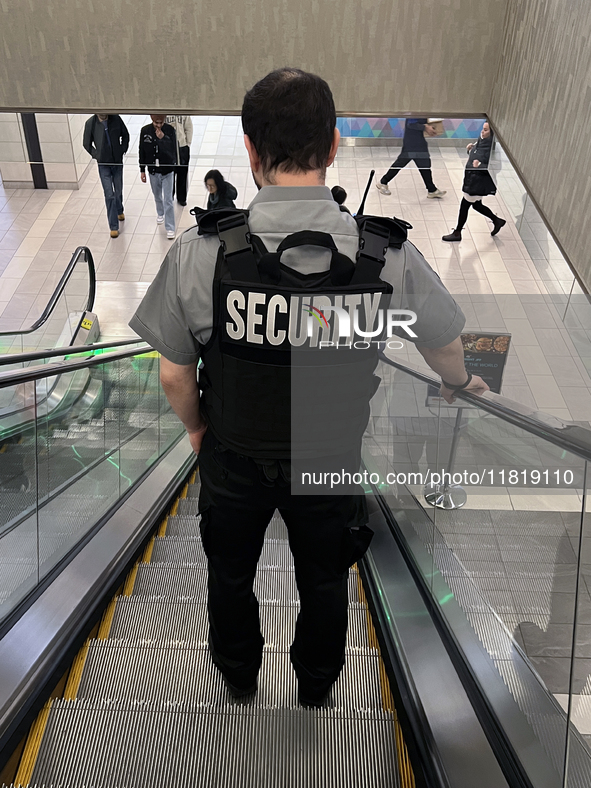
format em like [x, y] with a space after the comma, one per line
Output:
[478, 206]
[182, 174]
[237, 502]
[423, 162]
[111, 176]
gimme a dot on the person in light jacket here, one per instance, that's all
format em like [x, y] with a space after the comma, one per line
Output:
[183, 126]
[478, 183]
[106, 138]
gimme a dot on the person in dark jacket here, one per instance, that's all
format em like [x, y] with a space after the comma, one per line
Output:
[478, 183]
[221, 193]
[339, 195]
[106, 138]
[158, 153]
[414, 148]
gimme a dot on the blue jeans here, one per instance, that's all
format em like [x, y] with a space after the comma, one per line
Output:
[162, 191]
[111, 176]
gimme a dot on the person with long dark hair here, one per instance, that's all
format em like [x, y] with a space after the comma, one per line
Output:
[478, 183]
[221, 193]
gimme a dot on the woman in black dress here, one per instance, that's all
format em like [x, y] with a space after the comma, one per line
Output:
[221, 193]
[477, 183]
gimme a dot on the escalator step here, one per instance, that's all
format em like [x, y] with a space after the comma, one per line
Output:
[154, 744]
[182, 550]
[147, 619]
[178, 673]
[188, 580]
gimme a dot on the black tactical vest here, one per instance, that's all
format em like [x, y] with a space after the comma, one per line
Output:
[280, 379]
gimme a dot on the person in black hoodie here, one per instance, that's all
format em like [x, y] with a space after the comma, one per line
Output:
[106, 138]
[414, 148]
[478, 183]
[221, 193]
[158, 153]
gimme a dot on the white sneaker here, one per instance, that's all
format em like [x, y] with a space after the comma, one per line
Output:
[437, 194]
[170, 234]
[383, 188]
[159, 219]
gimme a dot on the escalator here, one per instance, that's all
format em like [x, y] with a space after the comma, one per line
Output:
[440, 686]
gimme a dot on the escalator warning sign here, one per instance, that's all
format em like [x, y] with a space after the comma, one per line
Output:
[86, 323]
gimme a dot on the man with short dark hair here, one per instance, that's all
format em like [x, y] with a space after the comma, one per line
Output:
[236, 314]
[106, 138]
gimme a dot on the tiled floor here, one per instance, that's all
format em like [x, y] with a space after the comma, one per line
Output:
[498, 284]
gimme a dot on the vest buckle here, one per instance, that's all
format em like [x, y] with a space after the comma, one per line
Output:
[373, 242]
[234, 235]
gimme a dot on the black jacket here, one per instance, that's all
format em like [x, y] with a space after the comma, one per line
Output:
[478, 181]
[152, 149]
[224, 201]
[414, 140]
[95, 139]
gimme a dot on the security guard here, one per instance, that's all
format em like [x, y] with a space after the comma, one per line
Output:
[241, 296]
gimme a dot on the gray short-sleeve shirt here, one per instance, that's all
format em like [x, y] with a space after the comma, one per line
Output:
[176, 314]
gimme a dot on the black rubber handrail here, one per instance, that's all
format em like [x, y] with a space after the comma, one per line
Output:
[61, 286]
[567, 436]
[14, 377]
[36, 355]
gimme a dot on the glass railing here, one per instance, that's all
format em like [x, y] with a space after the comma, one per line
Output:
[488, 500]
[74, 438]
[56, 315]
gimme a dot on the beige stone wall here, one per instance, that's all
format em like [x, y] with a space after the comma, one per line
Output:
[541, 106]
[381, 57]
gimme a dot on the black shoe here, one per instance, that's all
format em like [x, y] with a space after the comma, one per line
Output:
[182, 203]
[238, 692]
[498, 223]
[455, 235]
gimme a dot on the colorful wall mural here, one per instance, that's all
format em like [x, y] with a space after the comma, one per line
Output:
[454, 128]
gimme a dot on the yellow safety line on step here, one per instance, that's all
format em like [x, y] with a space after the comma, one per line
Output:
[193, 477]
[185, 490]
[73, 684]
[174, 508]
[130, 580]
[147, 556]
[107, 620]
[407, 778]
[162, 527]
[31, 751]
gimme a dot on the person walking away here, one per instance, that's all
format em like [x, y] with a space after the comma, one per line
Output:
[414, 148]
[157, 152]
[221, 193]
[215, 303]
[183, 127]
[106, 138]
[478, 183]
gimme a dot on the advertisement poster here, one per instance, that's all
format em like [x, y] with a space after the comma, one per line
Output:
[485, 354]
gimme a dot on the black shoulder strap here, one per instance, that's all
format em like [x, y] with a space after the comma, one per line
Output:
[397, 228]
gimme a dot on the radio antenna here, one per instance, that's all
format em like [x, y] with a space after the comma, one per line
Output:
[362, 206]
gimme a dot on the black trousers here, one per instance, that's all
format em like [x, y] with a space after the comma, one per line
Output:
[181, 174]
[423, 162]
[237, 502]
[478, 206]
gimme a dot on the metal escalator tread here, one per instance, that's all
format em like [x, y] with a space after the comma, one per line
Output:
[146, 707]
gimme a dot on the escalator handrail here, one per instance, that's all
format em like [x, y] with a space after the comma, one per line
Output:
[68, 350]
[60, 287]
[14, 377]
[567, 436]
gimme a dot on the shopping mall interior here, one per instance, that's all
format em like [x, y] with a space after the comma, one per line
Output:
[468, 656]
